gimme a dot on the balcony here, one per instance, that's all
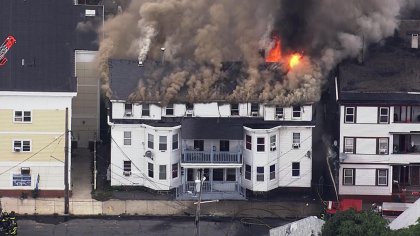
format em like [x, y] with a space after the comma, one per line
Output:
[211, 157]
[406, 144]
[211, 190]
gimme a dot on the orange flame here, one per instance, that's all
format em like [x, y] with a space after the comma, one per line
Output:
[275, 53]
[294, 60]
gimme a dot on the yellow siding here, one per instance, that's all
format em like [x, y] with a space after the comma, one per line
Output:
[39, 141]
[42, 121]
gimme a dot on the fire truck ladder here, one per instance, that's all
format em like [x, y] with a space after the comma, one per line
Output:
[5, 47]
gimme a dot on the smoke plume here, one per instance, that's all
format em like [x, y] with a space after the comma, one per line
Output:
[198, 36]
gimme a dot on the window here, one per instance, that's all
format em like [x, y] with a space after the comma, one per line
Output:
[199, 145]
[350, 114]
[382, 177]
[128, 109]
[272, 172]
[162, 172]
[383, 146]
[260, 144]
[255, 108]
[279, 112]
[175, 170]
[248, 172]
[127, 137]
[248, 142]
[349, 145]
[150, 169]
[170, 110]
[415, 41]
[260, 173]
[296, 112]
[234, 109]
[296, 140]
[217, 174]
[295, 169]
[127, 165]
[23, 116]
[383, 115]
[163, 143]
[89, 12]
[21, 146]
[273, 143]
[175, 142]
[230, 174]
[145, 110]
[150, 138]
[21, 180]
[224, 145]
[348, 176]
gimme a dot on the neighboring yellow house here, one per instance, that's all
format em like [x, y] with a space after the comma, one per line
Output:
[37, 84]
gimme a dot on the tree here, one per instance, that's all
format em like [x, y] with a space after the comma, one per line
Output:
[366, 223]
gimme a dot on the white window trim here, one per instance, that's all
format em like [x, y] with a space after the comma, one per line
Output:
[300, 114]
[293, 140]
[260, 174]
[130, 111]
[353, 183]
[166, 143]
[124, 165]
[152, 141]
[263, 145]
[296, 176]
[165, 173]
[166, 110]
[142, 110]
[352, 146]
[272, 172]
[380, 115]
[387, 146]
[177, 136]
[21, 147]
[124, 138]
[354, 115]
[386, 177]
[23, 116]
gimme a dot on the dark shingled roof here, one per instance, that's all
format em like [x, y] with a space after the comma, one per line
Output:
[47, 32]
[212, 128]
[390, 74]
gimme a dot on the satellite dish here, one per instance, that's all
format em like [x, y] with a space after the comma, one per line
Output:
[148, 154]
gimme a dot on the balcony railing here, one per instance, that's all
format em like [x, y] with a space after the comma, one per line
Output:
[189, 156]
[214, 186]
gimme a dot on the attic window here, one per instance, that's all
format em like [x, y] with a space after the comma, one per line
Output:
[415, 41]
[90, 12]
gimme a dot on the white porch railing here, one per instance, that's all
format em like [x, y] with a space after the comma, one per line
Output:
[211, 157]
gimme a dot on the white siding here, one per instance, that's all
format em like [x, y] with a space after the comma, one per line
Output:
[367, 115]
[206, 109]
[243, 109]
[365, 146]
[179, 109]
[224, 110]
[366, 177]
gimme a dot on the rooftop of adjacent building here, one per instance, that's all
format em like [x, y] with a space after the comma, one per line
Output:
[387, 73]
[47, 32]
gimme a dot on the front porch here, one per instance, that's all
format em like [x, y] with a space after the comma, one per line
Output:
[406, 182]
[214, 157]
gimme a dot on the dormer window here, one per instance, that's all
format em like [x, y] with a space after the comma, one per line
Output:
[297, 112]
[145, 110]
[279, 112]
[234, 109]
[170, 110]
[128, 109]
[415, 41]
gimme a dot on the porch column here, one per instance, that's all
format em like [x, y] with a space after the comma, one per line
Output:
[211, 179]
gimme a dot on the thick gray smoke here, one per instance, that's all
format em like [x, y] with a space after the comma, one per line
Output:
[199, 35]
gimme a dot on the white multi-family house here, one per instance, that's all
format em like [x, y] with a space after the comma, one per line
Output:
[236, 146]
[379, 137]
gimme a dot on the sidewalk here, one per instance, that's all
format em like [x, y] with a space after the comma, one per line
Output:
[50, 206]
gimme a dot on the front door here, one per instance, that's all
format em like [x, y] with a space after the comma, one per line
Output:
[415, 175]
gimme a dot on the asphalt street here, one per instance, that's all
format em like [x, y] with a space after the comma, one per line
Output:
[150, 226]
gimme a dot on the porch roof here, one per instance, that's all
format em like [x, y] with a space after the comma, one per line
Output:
[212, 128]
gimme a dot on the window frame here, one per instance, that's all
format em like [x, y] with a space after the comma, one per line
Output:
[273, 172]
[260, 146]
[175, 171]
[273, 145]
[198, 144]
[380, 116]
[352, 176]
[233, 170]
[127, 140]
[163, 144]
[248, 143]
[126, 166]
[260, 174]
[353, 146]
[248, 174]
[294, 139]
[162, 174]
[378, 177]
[346, 114]
[150, 141]
[128, 107]
[145, 110]
[169, 107]
[294, 112]
[150, 171]
[294, 169]
[22, 117]
[234, 111]
[378, 150]
[218, 171]
[222, 145]
[22, 146]
[175, 141]
[279, 112]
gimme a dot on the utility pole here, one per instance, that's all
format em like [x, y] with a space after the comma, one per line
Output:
[66, 165]
[95, 172]
[197, 212]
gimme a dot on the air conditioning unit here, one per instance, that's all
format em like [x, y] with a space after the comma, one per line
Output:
[254, 113]
[189, 113]
[25, 170]
[128, 113]
[383, 151]
[272, 148]
[296, 145]
[127, 173]
[279, 116]
[17, 149]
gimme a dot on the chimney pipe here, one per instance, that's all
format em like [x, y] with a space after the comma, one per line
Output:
[163, 55]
